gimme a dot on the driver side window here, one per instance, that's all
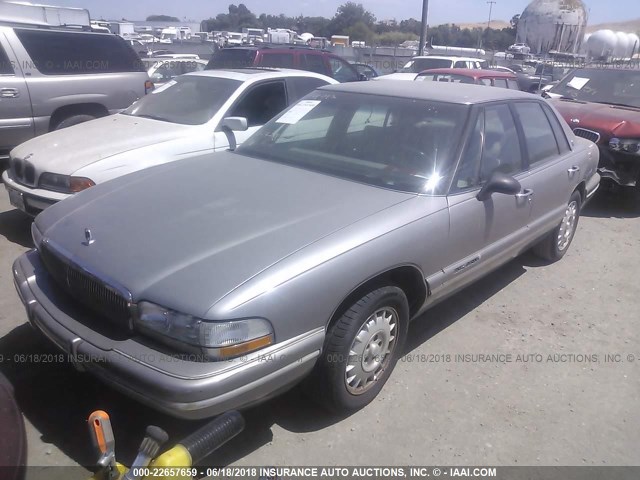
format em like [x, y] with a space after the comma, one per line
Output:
[493, 145]
[261, 103]
[342, 71]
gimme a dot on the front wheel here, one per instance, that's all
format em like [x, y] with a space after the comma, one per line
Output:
[554, 246]
[361, 350]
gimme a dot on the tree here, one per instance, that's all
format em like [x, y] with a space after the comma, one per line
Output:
[348, 15]
[162, 18]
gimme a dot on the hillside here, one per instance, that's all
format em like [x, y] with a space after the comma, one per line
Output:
[629, 26]
[497, 24]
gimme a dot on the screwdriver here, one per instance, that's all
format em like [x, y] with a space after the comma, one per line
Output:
[104, 442]
[152, 442]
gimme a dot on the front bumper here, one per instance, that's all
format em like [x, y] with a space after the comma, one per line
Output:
[30, 200]
[179, 387]
[621, 168]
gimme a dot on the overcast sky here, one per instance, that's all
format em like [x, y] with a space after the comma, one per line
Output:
[440, 11]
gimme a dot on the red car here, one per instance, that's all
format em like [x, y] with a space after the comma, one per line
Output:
[492, 78]
[603, 105]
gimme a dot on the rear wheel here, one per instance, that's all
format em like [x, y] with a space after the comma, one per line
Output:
[361, 350]
[554, 246]
[73, 120]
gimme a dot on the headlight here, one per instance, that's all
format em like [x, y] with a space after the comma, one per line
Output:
[626, 145]
[216, 340]
[64, 183]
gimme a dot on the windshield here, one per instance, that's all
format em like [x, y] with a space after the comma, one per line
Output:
[232, 58]
[397, 143]
[187, 100]
[420, 64]
[620, 87]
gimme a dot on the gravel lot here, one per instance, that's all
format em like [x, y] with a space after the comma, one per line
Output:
[437, 409]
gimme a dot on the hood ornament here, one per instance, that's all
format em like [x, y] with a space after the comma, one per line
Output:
[88, 237]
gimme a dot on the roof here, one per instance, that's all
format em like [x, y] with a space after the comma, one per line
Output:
[448, 57]
[255, 74]
[473, 73]
[460, 93]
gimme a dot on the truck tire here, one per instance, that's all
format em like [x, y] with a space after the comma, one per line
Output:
[73, 120]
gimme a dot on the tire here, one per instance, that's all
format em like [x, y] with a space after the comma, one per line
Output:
[552, 248]
[73, 120]
[336, 390]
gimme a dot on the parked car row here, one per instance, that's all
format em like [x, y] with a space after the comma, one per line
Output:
[282, 227]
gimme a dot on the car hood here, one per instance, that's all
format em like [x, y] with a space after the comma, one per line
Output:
[610, 121]
[66, 151]
[185, 234]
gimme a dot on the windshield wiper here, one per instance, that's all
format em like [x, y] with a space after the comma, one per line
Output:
[571, 99]
[153, 117]
[623, 105]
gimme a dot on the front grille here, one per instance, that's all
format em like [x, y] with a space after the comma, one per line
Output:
[88, 290]
[588, 134]
[23, 172]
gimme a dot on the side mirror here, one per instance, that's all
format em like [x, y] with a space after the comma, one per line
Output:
[363, 77]
[235, 124]
[228, 125]
[499, 183]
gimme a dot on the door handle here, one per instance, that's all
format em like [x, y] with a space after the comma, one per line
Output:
[9, 93]
[526, 193]
[574, 169]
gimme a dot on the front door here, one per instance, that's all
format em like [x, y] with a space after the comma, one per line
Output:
[258, 104]
[485, 233]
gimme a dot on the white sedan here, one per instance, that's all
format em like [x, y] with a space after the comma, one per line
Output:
[192, 114]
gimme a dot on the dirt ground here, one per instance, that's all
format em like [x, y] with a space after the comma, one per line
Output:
[550, 375]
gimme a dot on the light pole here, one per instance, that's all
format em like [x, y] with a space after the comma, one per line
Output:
[491, 3]
[423, 30]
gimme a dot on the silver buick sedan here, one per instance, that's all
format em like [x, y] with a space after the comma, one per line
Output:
[220, 281]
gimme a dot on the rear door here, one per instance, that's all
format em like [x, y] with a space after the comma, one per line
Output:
[554, 170]
[16, 117]
[259, 103]
[298, 87]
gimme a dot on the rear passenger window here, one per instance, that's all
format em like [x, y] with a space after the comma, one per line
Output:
[539, 138]
[278, 60]
[563, 143]
[313, 63]
[261, 103]
[5, 64]
[500, 82]
[300, 86]
[71, 53]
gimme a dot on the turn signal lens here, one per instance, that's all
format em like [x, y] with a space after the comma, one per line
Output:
[77, 184]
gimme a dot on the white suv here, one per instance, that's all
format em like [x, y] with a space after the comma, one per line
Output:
[429, 62]
[185, 117]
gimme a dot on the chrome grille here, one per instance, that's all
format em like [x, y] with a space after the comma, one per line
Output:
[88, 290]
[588, 134]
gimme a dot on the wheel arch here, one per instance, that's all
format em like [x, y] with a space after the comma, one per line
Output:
[582, 190]
[95, 109]
[408, 278]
